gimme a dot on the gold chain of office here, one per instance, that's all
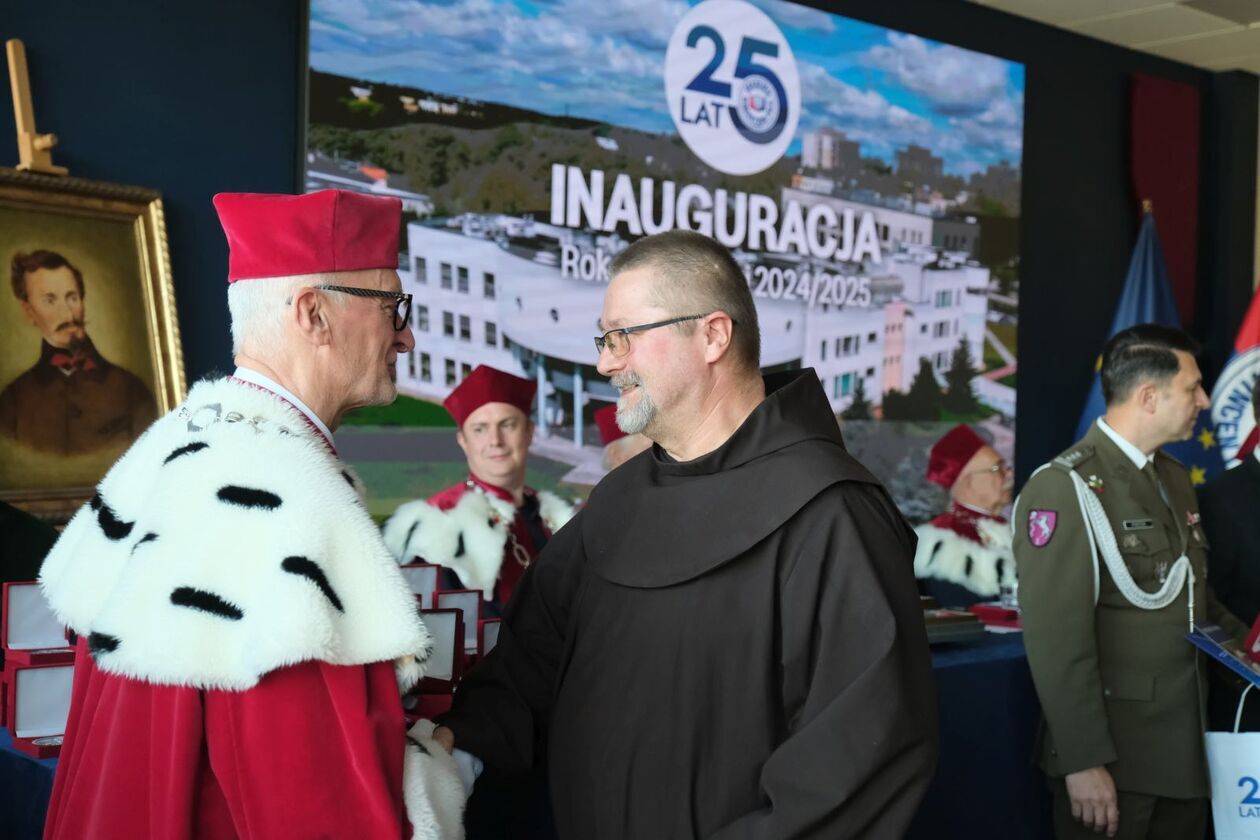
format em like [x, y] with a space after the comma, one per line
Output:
[514, 545]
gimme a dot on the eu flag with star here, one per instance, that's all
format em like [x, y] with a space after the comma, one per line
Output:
[1147, 299]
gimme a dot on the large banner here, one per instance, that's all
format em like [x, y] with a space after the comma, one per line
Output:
[867, 180]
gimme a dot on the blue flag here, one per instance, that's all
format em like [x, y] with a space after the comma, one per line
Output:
[1147, 299]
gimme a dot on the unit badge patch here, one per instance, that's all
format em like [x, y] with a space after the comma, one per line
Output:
[1041, 526]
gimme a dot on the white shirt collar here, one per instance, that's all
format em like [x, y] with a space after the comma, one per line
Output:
[275, 387]
[1137, 456]
[1256, 452]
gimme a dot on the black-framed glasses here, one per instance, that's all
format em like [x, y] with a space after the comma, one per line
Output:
[402, 300]
[618, 341]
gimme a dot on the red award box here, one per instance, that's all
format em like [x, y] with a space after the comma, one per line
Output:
[423, 580]
[996, 615]
[31, 632]
[487, 635]
[445, 664]
[38, 698]
[467, 601]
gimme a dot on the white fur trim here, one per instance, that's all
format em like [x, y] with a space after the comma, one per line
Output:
[418, 529]
[435, 535]
[408, 670]
[99, 580]
[357, 483]
[432, 790]
[555, 511]
[942, 554]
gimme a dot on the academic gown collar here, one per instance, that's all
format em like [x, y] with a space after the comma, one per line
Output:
[656, 522]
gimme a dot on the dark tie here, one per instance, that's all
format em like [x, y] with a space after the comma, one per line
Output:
[1153, 475]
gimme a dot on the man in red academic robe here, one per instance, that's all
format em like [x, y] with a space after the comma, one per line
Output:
[486, 530]
[243, 629]
[964, 555]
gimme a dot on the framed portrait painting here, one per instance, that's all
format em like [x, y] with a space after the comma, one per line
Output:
[89, 341]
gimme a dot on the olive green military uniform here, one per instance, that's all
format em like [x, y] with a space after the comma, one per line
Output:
[1119, 685]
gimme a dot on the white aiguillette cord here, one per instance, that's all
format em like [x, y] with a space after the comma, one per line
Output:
[1102, 540]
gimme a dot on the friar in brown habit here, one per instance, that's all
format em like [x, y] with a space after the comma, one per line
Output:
[727, 641]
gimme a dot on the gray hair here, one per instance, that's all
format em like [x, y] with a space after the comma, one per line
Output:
[698, 276]
[258, 309]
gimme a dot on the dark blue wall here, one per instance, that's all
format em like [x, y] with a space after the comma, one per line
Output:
[198, 98]
[186, 98]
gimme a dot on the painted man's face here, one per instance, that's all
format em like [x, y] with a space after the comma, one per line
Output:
[54, 306]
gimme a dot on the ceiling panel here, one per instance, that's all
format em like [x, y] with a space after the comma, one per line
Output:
[1158, 25]
[1245, 12]
[1065, 11]
[1238, 45]
[1250, 64]
[1214, 34]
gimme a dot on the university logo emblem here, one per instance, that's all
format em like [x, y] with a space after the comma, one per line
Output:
[1041, 526]
[732, 86]
[1235, 423]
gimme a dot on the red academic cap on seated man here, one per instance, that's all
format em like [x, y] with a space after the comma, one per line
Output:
[606, 419]
[951, 453]
[325, 231]
[487, 385]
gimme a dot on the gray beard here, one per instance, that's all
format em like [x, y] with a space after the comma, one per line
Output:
[635, 419]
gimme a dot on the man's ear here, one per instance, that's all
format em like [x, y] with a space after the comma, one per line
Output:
[717, 328]
[462, 441]
[310, 316]
[1148, 396]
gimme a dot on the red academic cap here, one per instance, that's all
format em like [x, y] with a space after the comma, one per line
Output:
[951, 453]
[606, 419]
[487, 385]
[325, 231]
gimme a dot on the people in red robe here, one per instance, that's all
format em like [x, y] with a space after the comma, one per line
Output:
[964, 555]
[243, 631]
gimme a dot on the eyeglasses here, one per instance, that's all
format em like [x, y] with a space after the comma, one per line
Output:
[402, 300]
[999, 467]
[618, 341]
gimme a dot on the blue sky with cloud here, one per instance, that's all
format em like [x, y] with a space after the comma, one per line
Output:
[603, 61]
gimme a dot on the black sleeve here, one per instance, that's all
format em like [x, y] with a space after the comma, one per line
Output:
[502, 706]
[860, 752]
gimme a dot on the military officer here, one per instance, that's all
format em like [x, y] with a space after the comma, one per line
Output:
[1113, 568]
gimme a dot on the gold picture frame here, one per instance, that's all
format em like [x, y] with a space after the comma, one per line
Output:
[80, 375]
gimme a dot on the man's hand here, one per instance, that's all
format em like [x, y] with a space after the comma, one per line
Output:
[1093, 796]
[446, 738]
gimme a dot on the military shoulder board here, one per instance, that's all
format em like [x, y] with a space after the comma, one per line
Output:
[1070, 459]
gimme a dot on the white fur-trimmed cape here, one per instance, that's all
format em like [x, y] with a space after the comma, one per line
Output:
[945, 555]
[226, 543]
[469, 539]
